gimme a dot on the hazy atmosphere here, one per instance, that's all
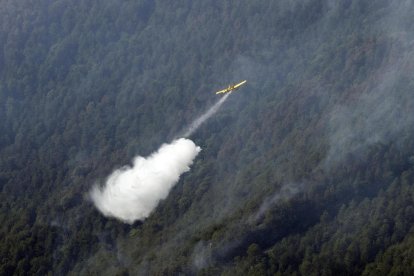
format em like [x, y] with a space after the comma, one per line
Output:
[118, 157]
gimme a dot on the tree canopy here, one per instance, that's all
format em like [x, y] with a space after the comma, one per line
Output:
[306, 171]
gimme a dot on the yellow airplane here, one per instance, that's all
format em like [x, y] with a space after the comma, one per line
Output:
[231, 88]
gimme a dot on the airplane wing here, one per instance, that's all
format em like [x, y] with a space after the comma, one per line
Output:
[240, 84]
[231, 87]
[222, 91]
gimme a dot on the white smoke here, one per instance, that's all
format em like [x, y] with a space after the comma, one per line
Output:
[131, 193]
[197, 123]
[286, 192]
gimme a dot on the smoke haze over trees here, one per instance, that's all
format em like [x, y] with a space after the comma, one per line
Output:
[307, 170]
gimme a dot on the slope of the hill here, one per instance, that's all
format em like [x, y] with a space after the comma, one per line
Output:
[307, 170]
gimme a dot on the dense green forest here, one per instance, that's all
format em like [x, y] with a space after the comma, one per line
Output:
[307, 170]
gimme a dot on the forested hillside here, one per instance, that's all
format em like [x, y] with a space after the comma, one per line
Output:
[307, 170]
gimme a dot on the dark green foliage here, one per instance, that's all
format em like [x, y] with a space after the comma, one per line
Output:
[308, 170]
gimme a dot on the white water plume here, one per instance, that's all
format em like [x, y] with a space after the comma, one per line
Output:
[200, 120]
[131, 193]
